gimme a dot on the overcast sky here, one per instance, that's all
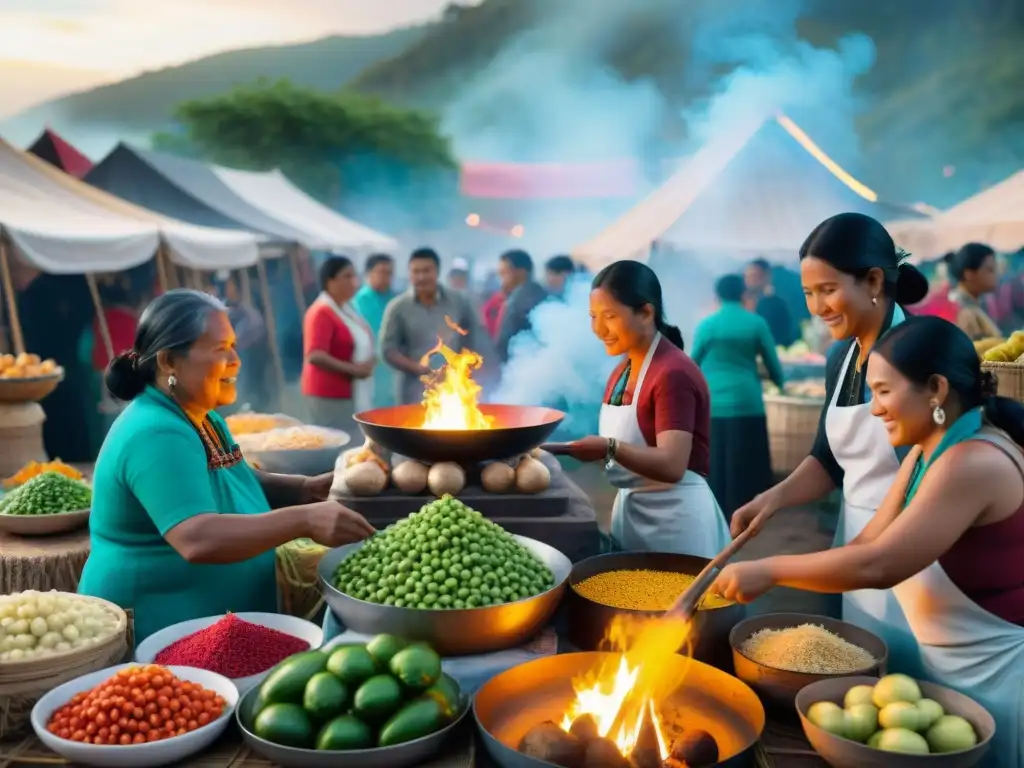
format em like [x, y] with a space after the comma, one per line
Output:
[55, 46]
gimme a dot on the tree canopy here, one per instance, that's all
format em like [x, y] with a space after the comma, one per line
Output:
[326, 142]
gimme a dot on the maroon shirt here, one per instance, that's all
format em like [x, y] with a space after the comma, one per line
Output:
[674, 396]
[985, 563]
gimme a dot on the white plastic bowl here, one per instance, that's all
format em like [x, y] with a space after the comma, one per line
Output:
[133, 755]
[148, 649]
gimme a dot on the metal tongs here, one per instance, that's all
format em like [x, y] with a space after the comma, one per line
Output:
[686, 606]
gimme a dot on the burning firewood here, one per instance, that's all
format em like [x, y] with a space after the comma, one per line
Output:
[550, 743]
[584, 728]
[647, 752]
[603, 753]
[695, 749]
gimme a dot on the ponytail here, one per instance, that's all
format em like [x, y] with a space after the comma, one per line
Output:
[672, 333]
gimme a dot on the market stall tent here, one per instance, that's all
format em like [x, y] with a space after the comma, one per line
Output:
[994, 216]
[61, 225]
[323, 229]
[756, 190]
[60, 154]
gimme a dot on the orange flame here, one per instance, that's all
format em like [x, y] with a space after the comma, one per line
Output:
[451, 398]
[620, 696]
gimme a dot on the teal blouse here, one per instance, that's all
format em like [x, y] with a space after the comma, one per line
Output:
[151, 475]
[726, 346]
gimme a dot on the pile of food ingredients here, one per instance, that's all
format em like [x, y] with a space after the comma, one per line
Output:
[800, 353]
[42, 624]
[50, 493]
[996, 350]
[642, 590]
[811, 389]
[35, 468]
[136, 706]
[27, 366]
[232, 647]
[446, 555]
[384, 693]
[808, 648]
[893, 716]
[249, 423]
[367, 471]
[302, 438]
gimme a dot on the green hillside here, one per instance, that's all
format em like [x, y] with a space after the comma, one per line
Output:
[144, 104]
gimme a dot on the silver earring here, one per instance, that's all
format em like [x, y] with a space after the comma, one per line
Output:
[172, 381]
[939, 415]
[874, 300]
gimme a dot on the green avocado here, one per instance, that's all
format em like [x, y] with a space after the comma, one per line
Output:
[416, 667]
[417, 719]
[284, 724]
[286, 683]
[325, 697]
[446, 692]
[345, 733]
[352, 664]
[383, 647]
[377, 699]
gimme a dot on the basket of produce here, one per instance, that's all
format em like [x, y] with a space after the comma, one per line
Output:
[302, 450]
[47, 504]
[855, 722]
[242, 647]
[1005, 359]
[386, 703]
[249, 423]
[447, 576]
[778, 654]
[112, 718]
[26, 378]
[792, 420]
[640, 587]
[48, 638]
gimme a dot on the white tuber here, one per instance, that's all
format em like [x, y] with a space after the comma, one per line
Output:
[446, 477]
[410, 476]
[366, 479]
[498, 477]
[532, 476]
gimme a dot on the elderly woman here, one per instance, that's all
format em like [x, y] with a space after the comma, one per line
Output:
[181, 526]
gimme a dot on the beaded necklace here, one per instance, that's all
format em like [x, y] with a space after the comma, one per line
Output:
[219, 453]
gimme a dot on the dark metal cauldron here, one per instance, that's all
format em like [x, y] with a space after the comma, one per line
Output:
[588, 621]
[510, 704]
[517, 429]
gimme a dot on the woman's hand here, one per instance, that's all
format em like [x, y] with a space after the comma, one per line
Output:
[363, 370]
[589, 449]
[744, 582]
[332, 525]
[317, 488]
[755, 513]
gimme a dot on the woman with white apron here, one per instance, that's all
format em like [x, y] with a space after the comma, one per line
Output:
[949, 537]
[855, 281]
[337, 372]
[654, 424]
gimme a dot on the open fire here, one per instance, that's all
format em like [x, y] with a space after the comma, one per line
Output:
[618, 717]
[451, 398]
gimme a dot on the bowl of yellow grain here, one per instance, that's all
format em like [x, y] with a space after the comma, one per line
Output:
[778, 654]
[619, 593]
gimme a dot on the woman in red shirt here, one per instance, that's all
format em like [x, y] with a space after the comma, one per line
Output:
[655, 422]
[338, 351]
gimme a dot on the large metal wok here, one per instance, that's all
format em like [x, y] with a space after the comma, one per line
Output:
[517, 429]
[512, 703]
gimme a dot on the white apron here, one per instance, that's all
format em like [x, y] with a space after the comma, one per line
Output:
[363, 352]
[963, 646]
[648, 516]
[861, 447]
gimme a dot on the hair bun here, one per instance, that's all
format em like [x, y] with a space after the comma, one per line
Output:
[123, 378]
[911, 284]
[989, 384]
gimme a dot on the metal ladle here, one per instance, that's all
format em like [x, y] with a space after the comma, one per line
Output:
[686, 606]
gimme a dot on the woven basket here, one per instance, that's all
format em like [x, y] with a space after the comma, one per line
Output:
[298, 583]
[24, 683]
[792, 426]
[1010, 377]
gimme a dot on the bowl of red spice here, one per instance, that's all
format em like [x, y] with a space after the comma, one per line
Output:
[134, 716]
[242, 647]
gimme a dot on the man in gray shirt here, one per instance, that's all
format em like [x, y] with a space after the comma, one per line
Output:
[414, 320]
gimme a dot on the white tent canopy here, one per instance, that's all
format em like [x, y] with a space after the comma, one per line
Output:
[326, 230]
[994, 217]
[61, 225]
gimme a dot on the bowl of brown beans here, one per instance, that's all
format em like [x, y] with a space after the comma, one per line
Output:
[643, 585]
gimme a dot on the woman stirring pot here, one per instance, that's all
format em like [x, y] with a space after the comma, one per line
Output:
[654, 423]
[854, 280]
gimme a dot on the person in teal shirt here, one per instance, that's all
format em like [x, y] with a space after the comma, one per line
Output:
[181, 527]
[370, 301]
[727, 346]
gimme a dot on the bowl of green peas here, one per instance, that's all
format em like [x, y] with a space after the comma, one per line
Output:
[448, 576]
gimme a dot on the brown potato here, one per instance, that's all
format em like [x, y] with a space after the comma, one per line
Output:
[696, 749]
[446, 477]
[410, 476]
[602, 753]
[532, 476]
[498, 477]
[366, 479]
[584, 728]
[550, 743]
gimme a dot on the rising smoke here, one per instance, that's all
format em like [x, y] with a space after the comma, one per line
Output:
[581, 110]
